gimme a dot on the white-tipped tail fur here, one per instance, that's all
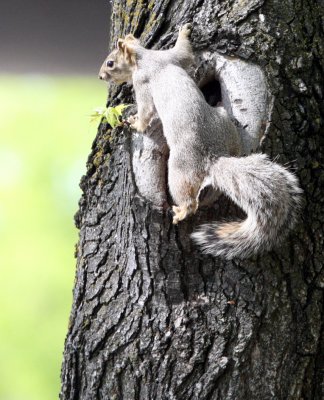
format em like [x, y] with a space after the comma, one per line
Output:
[268, 193]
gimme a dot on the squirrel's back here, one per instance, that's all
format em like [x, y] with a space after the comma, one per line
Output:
[185, 113]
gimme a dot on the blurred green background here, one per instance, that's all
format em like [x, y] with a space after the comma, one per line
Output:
[45, 137]
[50, 54]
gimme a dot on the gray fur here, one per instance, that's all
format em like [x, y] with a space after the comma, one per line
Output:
[202, 141]
[267, 192]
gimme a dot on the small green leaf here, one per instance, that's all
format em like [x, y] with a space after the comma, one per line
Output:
[110, 114]
[121, 107]
[97, 114]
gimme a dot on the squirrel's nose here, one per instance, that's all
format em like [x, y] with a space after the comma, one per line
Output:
[103, 76]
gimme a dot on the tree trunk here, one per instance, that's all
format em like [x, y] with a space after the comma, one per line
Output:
[152, 317]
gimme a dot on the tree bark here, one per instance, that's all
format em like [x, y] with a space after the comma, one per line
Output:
[153, 318]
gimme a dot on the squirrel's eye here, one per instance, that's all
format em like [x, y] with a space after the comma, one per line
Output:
[110, 64]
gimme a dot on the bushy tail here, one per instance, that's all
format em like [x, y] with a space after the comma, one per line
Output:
[268, 193]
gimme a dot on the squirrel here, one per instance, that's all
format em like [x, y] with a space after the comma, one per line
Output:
[205, 148]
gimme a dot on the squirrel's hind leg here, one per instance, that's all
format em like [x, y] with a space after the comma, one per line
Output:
[183, 211]
[184, 192]
[182, 51]
[184, 34]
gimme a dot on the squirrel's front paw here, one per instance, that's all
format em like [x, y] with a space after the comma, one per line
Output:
[185, 30]
[136, 123]
[132, 120]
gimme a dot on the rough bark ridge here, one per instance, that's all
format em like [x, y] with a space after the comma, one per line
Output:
[152, 318]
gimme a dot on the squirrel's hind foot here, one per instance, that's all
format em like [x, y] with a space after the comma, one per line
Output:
[185, 30]
[181, 212]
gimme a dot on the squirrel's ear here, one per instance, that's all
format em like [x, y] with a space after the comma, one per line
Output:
[124, 45]
[120, 44]
[130, 37]
[129, 53]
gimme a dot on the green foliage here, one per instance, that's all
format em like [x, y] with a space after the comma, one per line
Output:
[44, 144]
[111, 114]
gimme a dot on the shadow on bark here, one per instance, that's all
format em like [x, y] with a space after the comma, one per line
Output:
[152, 318]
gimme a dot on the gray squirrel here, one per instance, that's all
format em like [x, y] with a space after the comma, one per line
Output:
[205, 148]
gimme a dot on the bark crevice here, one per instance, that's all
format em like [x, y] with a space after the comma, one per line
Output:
[152, 318]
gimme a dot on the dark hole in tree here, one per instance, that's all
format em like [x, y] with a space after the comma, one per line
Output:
[212, 92]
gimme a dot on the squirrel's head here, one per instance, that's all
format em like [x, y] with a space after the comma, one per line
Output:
[121, 62]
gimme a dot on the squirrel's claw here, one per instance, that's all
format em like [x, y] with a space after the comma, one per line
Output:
[182, 212]
[135, 123]
[185, 30]
[132, 119]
